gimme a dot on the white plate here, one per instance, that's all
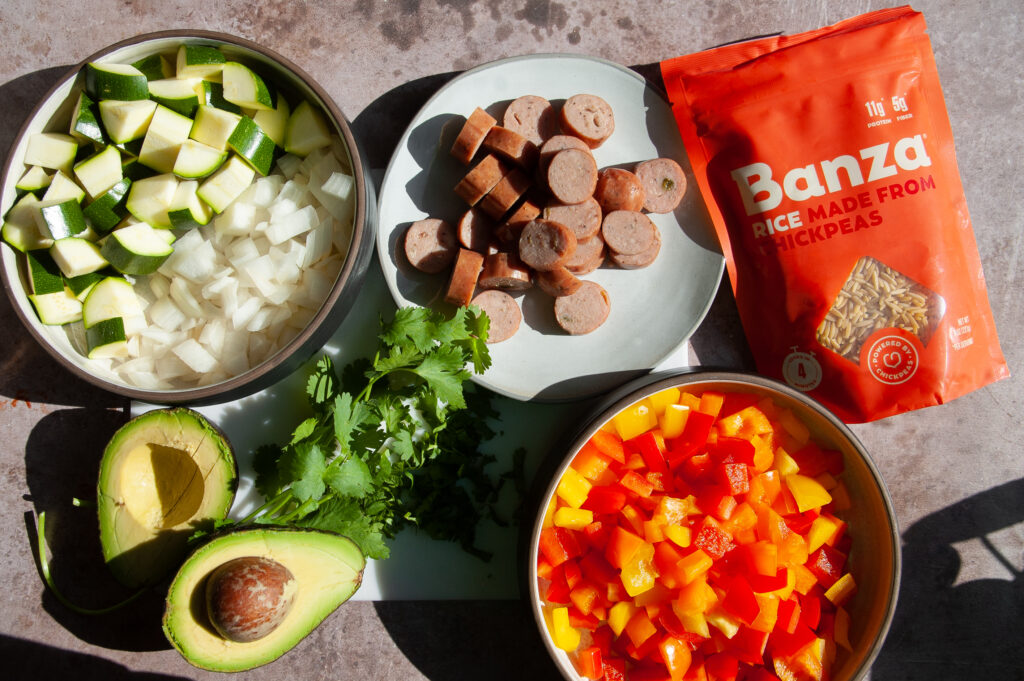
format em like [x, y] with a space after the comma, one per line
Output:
[653, 310]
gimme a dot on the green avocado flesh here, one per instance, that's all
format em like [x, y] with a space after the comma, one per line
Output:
[327, 569]
[164, 475]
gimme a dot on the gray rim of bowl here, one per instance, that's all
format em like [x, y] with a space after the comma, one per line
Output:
[648, 385]
[283, 353]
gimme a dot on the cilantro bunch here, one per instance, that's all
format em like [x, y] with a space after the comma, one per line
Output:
[392, 441]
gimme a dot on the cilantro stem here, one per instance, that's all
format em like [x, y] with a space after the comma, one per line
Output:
[268, 509]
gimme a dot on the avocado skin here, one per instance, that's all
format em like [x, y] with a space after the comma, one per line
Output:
[140, 553]
[327, 567]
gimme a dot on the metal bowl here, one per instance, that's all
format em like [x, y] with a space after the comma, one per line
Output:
[53, 113]
[874, 558]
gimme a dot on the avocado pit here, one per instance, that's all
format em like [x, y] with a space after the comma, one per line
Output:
[249, 597]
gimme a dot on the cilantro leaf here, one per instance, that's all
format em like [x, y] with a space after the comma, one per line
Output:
[414, 324]
[443, 371]
[348, 416]
[305, 429]
[304, 465]
[349, 477]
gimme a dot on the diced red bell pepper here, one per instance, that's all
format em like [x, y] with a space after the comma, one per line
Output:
[596, 533]
[788, 617]
[597, 569]
[573, 575]
[750, 644]
[717, 501]
[763, 583]
[605, 500]
[810, 609]
[722, 666]
[712, 539]
[614, 669]
[783, 644]
[649, 673]
[760, 674]
[733, 450]
[610, 445]
[696, 468]
[581, 621]
[740, 600]
[558, 545]
[801, 522]
[826, 564]
[694, 437]
[558, 588]
[649, 446]
[735, 477]
[589, 662]
[661, 482]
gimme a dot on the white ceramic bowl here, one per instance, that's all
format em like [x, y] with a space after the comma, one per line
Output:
[874, 558]
[53, 114]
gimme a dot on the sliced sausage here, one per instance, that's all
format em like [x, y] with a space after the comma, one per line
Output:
[504, 271]
[619, 189]
[544, 245]
[474, 230]
[572, 175]
[464, 275]
[588, 257]
[558, 282]
[584, 218]
[532, 117]
[584, 310]
[556, 144]
[641, 259]
[472, 135]
[507, 233]
[664, 184]
[430, 245]
[502, 311]
[511, 146]
[628, 232]
[504, 195]
[588, 117]
[481, 179]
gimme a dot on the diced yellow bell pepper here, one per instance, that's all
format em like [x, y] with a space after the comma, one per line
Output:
[573, 518]
[723, 621]
[674, 510]
[841, 631]
[807, 492]
[549, 513]
[823, 528]
[573, 488]
[794, 426]
[563, 634]
[841, 591]
[678, 535]
[619, 616]
[693, 621]
[689, 400]
[784, 463]
[672, 420]
[634, 420]
[654, 531]
[639, 574]
[660, 400]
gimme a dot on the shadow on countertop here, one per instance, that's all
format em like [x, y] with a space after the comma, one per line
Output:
[38, 661]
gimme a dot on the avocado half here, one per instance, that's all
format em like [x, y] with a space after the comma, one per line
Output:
[164, 475]
[327, 569]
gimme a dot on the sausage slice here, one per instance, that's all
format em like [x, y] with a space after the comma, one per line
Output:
[664, 184]
[588, 257]
[504, 271]
[628, 232]
[532, 117]
[511, 146]
[472, 135]
[619, 189]
[558, 282]
[474, 230]
[572, 175]
[584, 310]
[464, 275]
[502, 311]
[588, 117]
[481, 179]
[641, 259]
[504, 195]
[430, 245]
[544, 245]
[583, 218]
[556, 144]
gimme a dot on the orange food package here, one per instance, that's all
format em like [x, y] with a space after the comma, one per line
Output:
[827, 162]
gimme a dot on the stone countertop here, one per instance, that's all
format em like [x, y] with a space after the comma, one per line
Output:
[955, 471]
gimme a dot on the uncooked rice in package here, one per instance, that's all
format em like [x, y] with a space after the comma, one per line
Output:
[827, 162]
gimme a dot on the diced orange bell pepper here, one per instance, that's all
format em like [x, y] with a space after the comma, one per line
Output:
[711, 402]
[622, 546]
[765, 488]
[692, 566]
[589, 663]
[640, 628]
[768, 612]
[634, 518]
[610, 445]
[794, 426]
[762, 558]
[585, 596]
[793, 550]
[677, 657]
[675, 510]
[636, 483]
[590, 462]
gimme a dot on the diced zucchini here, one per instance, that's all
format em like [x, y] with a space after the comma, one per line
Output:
[20, 229]
[126, 121]
[196, 159]
[187, 210]
[199, 61]
[166, 132]
[113, 297]
[76, 257]
[85, 121]
[43, 273]
[212, 94]
[250, 142]
[274, 121]
[155, 67]
[57, 309]
[62, 188]
[136, 249]
[149, 198]
[246, 89]
[100, 172]
[226, 184]
[52, 150]
[60, 220]
[214, 126]
[35, 180]
[123, 82]
[108, 209]
[83, 283]
[177, 94]
[106, 339]
[133, 170]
